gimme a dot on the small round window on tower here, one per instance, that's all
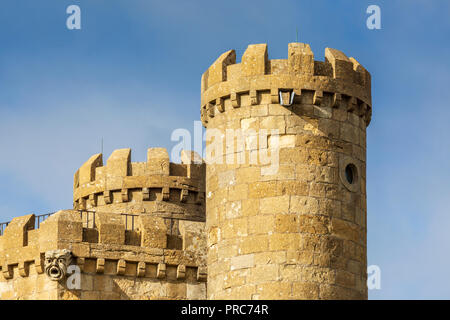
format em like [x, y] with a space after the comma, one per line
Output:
[350, 173]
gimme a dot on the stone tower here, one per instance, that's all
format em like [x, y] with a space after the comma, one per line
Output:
[136, 232]
[298, 232]
[157, 185]
[282, 191]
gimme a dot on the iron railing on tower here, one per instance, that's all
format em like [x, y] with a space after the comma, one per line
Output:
[37, 222]
[89, 217]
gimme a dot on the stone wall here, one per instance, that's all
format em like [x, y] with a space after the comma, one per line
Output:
[115, 263]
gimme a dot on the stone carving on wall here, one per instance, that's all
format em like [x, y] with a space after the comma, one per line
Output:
[56, 263]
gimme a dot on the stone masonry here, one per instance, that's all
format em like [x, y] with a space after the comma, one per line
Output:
[136, 232]
[299, 233]
[227, 226]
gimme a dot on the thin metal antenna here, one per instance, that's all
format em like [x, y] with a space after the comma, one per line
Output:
[102, 145]
[296, 34]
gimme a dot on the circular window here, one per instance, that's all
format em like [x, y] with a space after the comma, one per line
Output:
[350, 173]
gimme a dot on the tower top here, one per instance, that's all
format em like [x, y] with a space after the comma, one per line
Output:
[345, 79]
[112, 184]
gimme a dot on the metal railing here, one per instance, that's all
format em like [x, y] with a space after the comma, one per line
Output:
[40, 218]
[3, 226]
[37, 222]
[88, 219]
[129, 220]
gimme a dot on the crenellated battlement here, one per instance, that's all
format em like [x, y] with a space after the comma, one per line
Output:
[105, 246]
[338, 82]
[155, 186]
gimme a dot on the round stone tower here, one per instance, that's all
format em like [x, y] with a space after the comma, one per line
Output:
[172, 192]
[155, 186]
[286, 175]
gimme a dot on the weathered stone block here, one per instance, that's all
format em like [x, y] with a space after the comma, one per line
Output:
[153, 231]
[111, 228]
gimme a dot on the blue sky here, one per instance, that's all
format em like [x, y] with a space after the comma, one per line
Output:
[132, 75]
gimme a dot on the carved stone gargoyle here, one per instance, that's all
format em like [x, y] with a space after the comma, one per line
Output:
[56, 263]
